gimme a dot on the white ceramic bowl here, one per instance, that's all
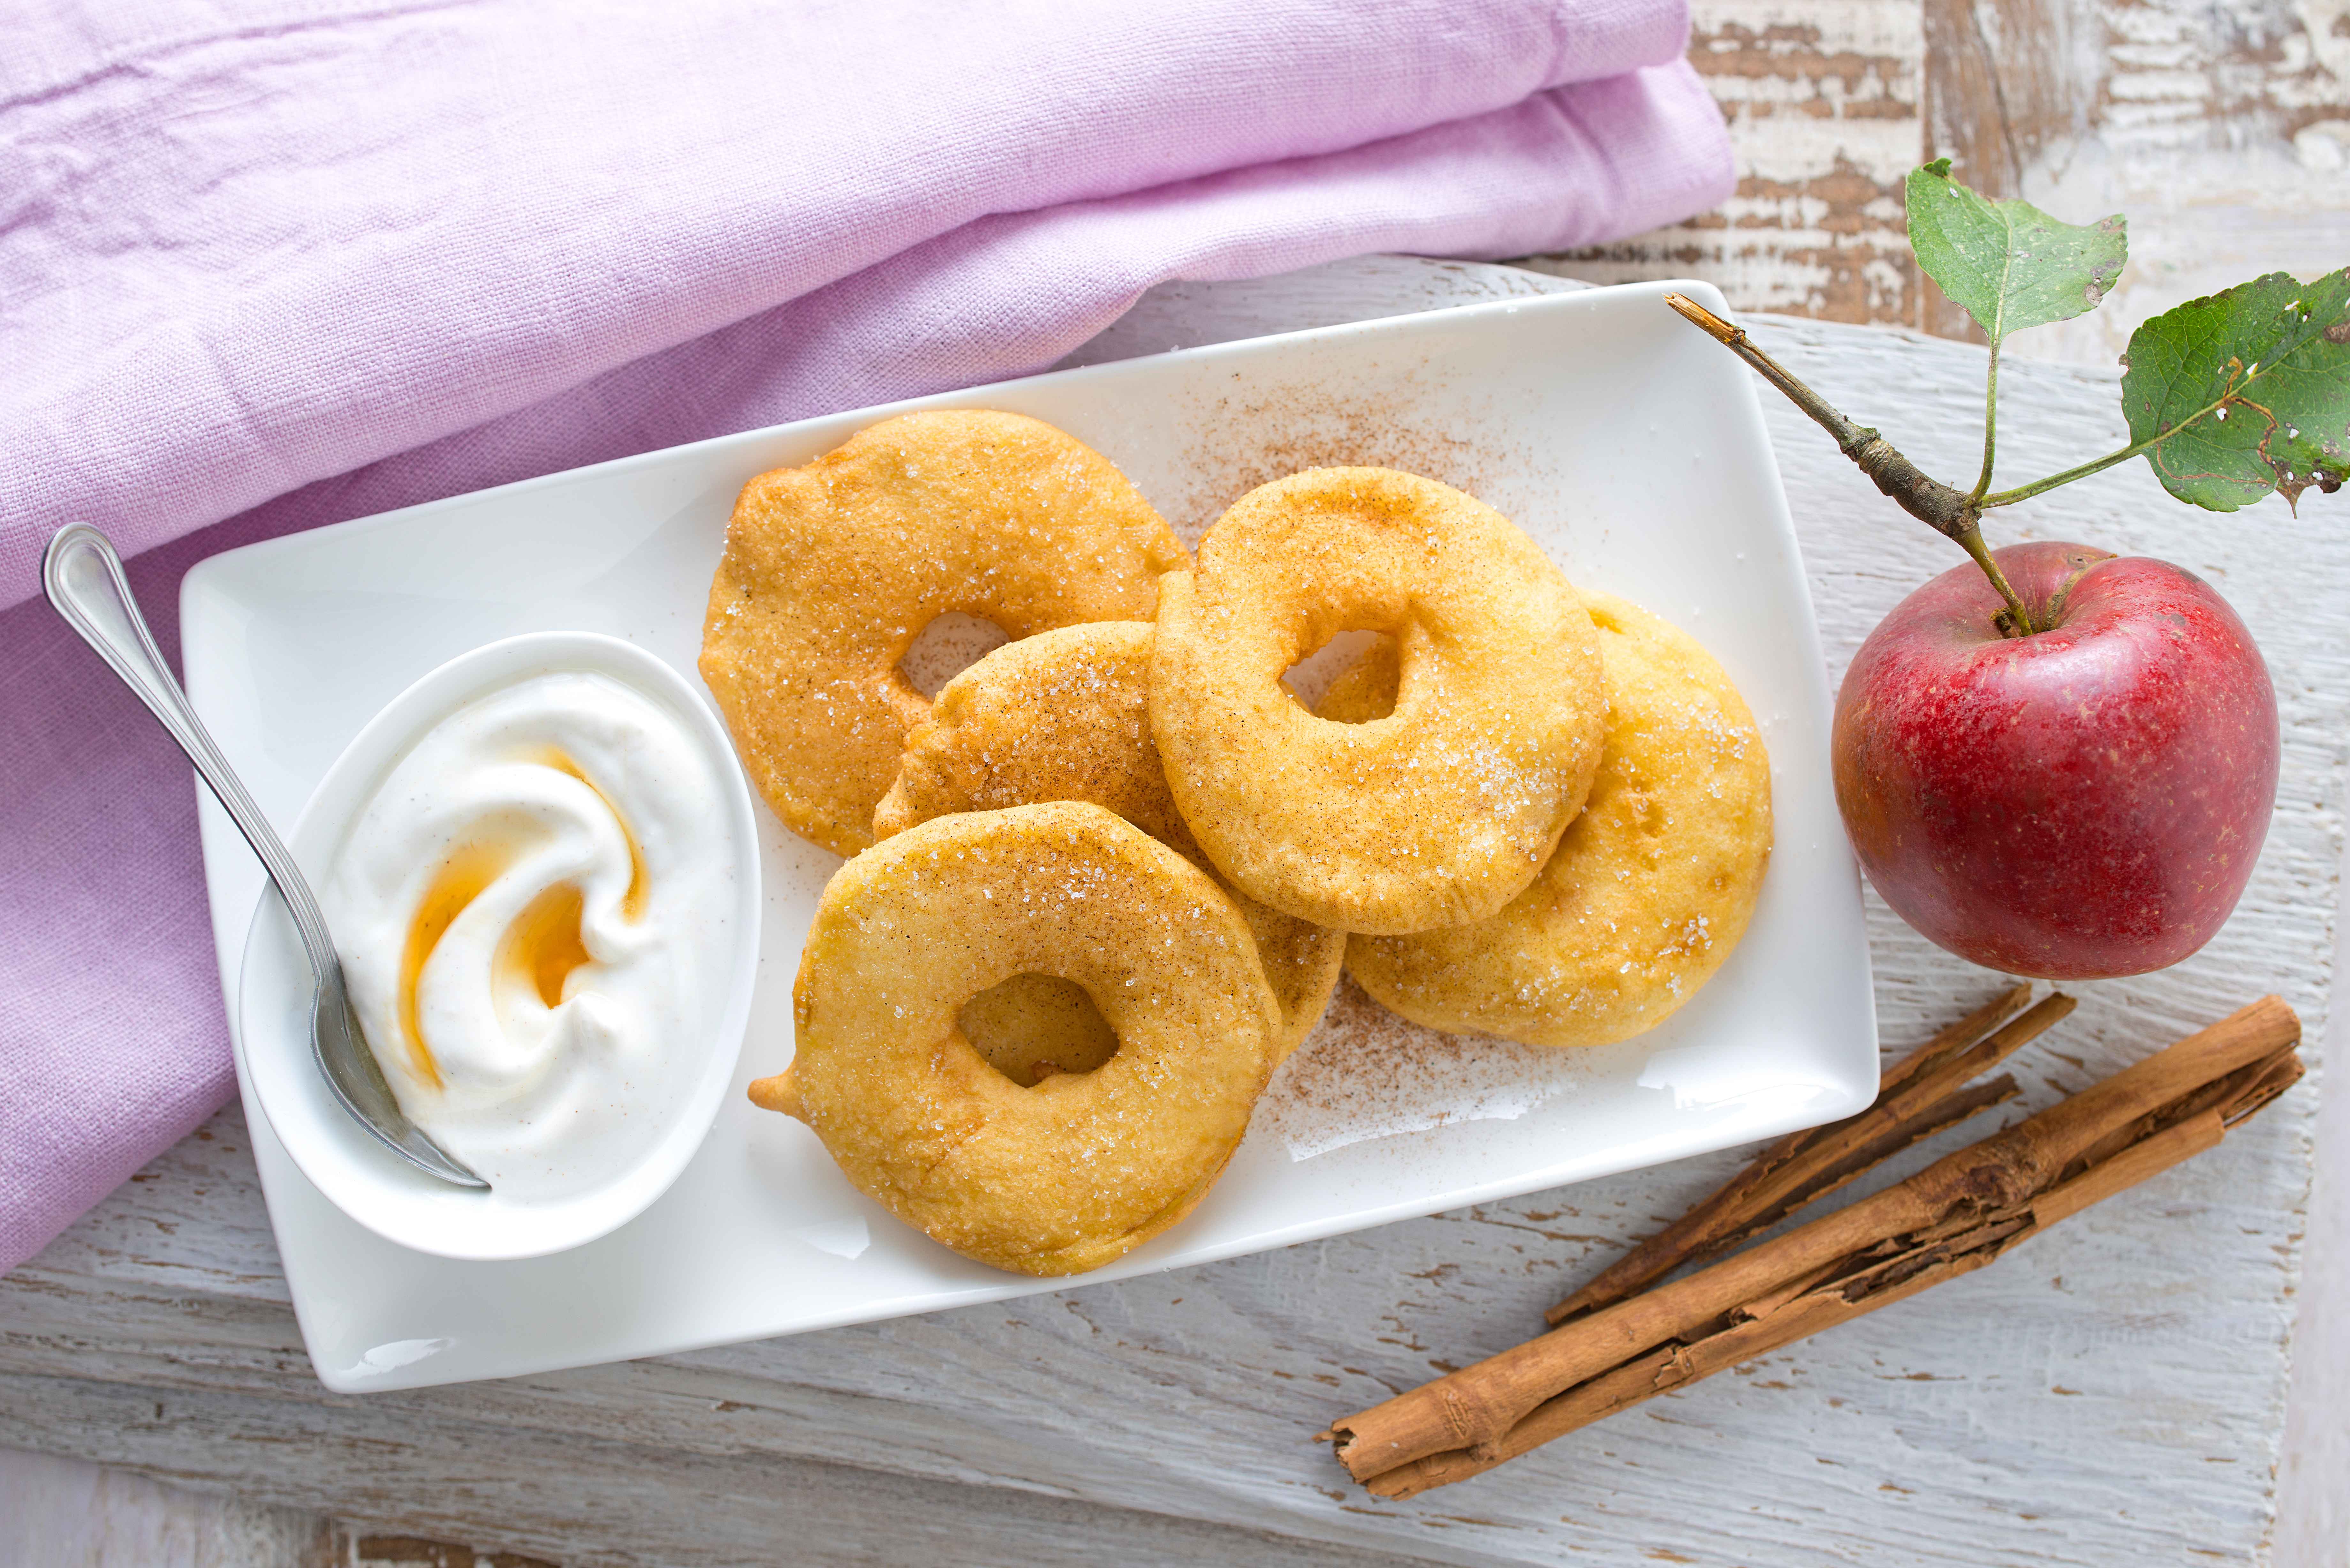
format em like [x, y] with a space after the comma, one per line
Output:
[367, 1181]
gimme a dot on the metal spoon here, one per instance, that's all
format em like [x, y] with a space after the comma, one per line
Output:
[85, 582]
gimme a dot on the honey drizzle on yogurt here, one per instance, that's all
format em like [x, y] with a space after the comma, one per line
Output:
[632, 902]
[543, 945]
[457, 884]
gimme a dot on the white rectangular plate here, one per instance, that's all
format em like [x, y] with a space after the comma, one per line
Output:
[1627, 444]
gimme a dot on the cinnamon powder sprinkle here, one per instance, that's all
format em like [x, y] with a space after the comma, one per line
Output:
[1366, 1074]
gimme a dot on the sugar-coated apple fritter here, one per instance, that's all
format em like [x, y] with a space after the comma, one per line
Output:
[833, 568]
[1064, 716]
[1078, 1169]
[1439, 813]
[1648, 891]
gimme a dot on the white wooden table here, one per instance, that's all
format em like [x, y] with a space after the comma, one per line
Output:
[2115, 1393]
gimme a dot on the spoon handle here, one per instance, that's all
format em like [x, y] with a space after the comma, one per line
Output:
[85, 582]
[84, 579]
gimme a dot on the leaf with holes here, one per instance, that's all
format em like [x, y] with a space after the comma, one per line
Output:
[2009, 264]
[2245, 391]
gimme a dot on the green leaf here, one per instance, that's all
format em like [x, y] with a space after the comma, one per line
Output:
[2245, 391]
[2009, 264]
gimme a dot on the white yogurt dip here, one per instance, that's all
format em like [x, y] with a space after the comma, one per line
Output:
[532, 915]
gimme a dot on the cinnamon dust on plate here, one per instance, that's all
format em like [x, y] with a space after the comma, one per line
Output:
[1364, 1074]
[1252, 436]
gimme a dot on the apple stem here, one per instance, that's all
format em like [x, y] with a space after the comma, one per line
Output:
[1947, 510]
[2014, 620]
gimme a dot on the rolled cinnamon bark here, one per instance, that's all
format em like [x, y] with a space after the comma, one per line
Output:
[1781, 1324]
[1956, 1215]
[1914, 1100]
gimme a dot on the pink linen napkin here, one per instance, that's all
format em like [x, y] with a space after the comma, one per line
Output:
[284, 264]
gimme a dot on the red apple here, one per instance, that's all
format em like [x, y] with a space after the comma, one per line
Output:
[2083, 801]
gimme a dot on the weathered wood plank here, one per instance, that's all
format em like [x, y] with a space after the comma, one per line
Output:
[1822, 97]
[2112, 1394]
[580, 1495]
[2222, 130]
[60, 1514]
[2313, 1481]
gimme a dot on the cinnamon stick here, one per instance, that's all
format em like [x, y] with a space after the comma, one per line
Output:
[1661, 1371]
[1914, 1100]
[1959, 1214]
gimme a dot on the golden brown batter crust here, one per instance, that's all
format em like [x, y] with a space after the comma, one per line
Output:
[1078, 1170]
[1064, 716]
[832, 570]
[1440, 813]
[1648, 891]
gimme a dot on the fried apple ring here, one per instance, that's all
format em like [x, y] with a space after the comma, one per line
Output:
[1647, 892]
[1078, 1170]
[1440, 813]
[832, 570]
[1064, 715]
